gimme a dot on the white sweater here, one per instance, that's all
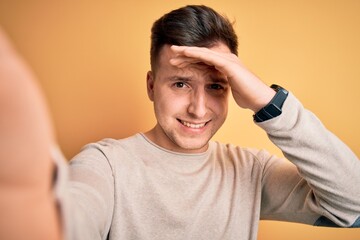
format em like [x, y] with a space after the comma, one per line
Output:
[134, 189]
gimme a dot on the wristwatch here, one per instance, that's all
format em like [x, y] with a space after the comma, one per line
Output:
[274, 107]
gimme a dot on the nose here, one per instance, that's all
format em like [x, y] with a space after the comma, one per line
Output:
[197, 106]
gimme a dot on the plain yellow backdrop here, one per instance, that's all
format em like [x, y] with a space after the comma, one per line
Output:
[91, 58]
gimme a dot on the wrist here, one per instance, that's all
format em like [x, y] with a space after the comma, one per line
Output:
[267, 96]
[274, 107]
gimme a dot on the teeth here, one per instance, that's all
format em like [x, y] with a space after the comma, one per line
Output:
[193, 125]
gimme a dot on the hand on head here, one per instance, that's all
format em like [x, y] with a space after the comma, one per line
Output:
[248, 90]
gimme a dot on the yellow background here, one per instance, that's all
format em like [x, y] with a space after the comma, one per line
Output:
[91, 58]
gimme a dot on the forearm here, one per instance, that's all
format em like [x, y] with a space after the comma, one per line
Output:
[327, 164]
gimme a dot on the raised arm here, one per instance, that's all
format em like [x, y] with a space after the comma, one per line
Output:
[330, 169]
[27, 205]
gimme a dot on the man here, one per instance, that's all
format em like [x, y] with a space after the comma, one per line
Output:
[172, 182]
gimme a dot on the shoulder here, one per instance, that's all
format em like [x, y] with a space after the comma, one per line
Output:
[108, 145]
[243, 156]
[106, 150]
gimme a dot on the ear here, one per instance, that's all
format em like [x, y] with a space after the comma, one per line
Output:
[150, 79]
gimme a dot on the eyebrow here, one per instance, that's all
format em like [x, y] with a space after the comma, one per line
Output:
[189, 79]
[180, 78]
[219, 80]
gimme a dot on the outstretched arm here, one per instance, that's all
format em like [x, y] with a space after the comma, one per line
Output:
[27, 205]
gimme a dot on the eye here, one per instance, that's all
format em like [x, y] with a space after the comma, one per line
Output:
[215, 86]
[179, 84]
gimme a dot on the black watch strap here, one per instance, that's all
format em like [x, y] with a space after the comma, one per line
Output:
[274, 107]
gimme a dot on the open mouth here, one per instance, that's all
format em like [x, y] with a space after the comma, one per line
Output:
[193, 125]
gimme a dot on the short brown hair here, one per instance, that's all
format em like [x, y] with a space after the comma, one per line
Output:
[192, 25]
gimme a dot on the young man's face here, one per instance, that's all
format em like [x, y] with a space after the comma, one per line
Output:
[190, 103]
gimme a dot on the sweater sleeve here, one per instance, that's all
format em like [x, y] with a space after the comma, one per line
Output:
[321, 186]
[85, 193]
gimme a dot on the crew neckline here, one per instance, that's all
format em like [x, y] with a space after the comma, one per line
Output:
[167, 151]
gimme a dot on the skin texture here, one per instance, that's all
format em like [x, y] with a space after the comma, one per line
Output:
[190, 103]
[27, 204]
[190, 94]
